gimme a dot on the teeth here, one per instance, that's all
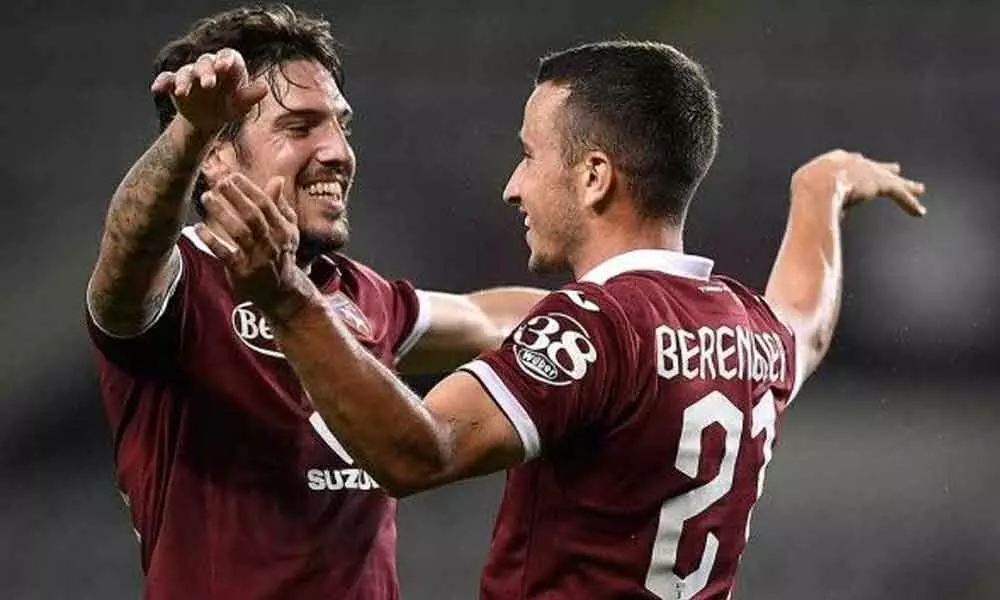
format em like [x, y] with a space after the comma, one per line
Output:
[527, 221]
[323, 188]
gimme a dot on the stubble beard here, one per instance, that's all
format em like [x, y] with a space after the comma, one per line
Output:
[313, 245]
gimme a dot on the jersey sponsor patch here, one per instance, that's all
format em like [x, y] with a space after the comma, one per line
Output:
[256, 333]
[254, 330]
[554, 348]
[334, 480]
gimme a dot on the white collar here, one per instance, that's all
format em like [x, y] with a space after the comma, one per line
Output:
[649, 259]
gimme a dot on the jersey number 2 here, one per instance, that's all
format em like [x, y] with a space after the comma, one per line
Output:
[713, 409]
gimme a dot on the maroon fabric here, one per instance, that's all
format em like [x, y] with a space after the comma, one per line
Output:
[232, 491]
[608, 375]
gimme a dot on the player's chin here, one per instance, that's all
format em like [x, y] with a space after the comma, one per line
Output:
[540, 262]
[329, 237]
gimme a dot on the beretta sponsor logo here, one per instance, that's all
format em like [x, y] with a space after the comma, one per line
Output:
[254, 330]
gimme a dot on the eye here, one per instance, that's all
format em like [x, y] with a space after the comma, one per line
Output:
[299, 129]
[346, 128]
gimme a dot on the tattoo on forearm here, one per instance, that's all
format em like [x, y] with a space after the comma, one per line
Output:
[143, 223]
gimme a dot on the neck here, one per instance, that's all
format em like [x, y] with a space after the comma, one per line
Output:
[613, 237]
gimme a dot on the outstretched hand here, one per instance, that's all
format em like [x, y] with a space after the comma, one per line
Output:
[855, 179]
[254, 232]
[213, 90]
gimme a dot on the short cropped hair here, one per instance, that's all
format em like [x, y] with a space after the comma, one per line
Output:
[646, 105]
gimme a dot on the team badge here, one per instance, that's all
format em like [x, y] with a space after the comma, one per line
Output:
[350, 313]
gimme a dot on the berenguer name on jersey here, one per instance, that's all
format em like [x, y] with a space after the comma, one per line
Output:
[719, 352]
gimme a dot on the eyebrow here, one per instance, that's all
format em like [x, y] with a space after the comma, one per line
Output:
[343, 116]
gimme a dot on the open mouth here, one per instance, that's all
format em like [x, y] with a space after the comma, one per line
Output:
[329, 194]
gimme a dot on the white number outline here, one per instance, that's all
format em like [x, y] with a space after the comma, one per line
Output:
[714, 408]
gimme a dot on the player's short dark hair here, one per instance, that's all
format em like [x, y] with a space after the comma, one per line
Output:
[266, 36]
[646, 105]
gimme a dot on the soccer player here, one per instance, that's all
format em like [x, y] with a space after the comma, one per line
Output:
[635, 409]
[236, 487]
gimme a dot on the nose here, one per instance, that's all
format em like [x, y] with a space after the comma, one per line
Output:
[511, 193]
[333, 148]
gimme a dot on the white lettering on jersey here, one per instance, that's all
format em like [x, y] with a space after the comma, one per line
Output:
[336, 479]
[720, 352]
[254, 330]
[340, 479]
[554, 349]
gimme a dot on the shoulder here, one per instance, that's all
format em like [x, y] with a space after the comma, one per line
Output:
[195, 254]
[754, 302]
[578, 314]
[355, 271]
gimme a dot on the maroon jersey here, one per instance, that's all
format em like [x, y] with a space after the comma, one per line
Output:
[646, 396]
[236, 487]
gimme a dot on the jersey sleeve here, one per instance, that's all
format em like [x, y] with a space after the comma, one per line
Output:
[411, 316]
[556, 374]
[160, 341]
[403, 311]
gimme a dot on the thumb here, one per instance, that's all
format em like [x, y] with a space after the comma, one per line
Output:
[277, 191]
[250, 94]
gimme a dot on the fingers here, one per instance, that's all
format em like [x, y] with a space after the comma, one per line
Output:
[230, 67]
[892, 167]
[267, 201]
[204, 71]
[907, 201]
[232, 73]
[217, 241]
[164, 83]
[237, 216]
[225, 67]
[249, 215]
[280, 194]
[904, 192]
[889, 183]
[250, 94]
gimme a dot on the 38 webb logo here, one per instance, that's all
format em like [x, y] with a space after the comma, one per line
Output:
[554, 349]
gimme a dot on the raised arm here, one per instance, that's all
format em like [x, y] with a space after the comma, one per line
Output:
[463, 326]
[137, 261]
[805, 283]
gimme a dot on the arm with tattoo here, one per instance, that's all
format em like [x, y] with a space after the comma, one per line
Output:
[138, 261]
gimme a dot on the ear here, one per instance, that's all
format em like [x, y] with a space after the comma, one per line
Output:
[597, 180]
[218, 162]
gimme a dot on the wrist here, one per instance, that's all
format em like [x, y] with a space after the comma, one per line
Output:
[288, 302]
[818, 188]
[181, 127]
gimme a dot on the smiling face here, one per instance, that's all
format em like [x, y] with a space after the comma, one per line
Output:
[543, 187]
[300, 135]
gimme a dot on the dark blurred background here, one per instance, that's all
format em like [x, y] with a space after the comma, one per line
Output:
[886, 480]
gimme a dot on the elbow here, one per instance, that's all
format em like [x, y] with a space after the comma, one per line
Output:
[418, 472]
[813, 344]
